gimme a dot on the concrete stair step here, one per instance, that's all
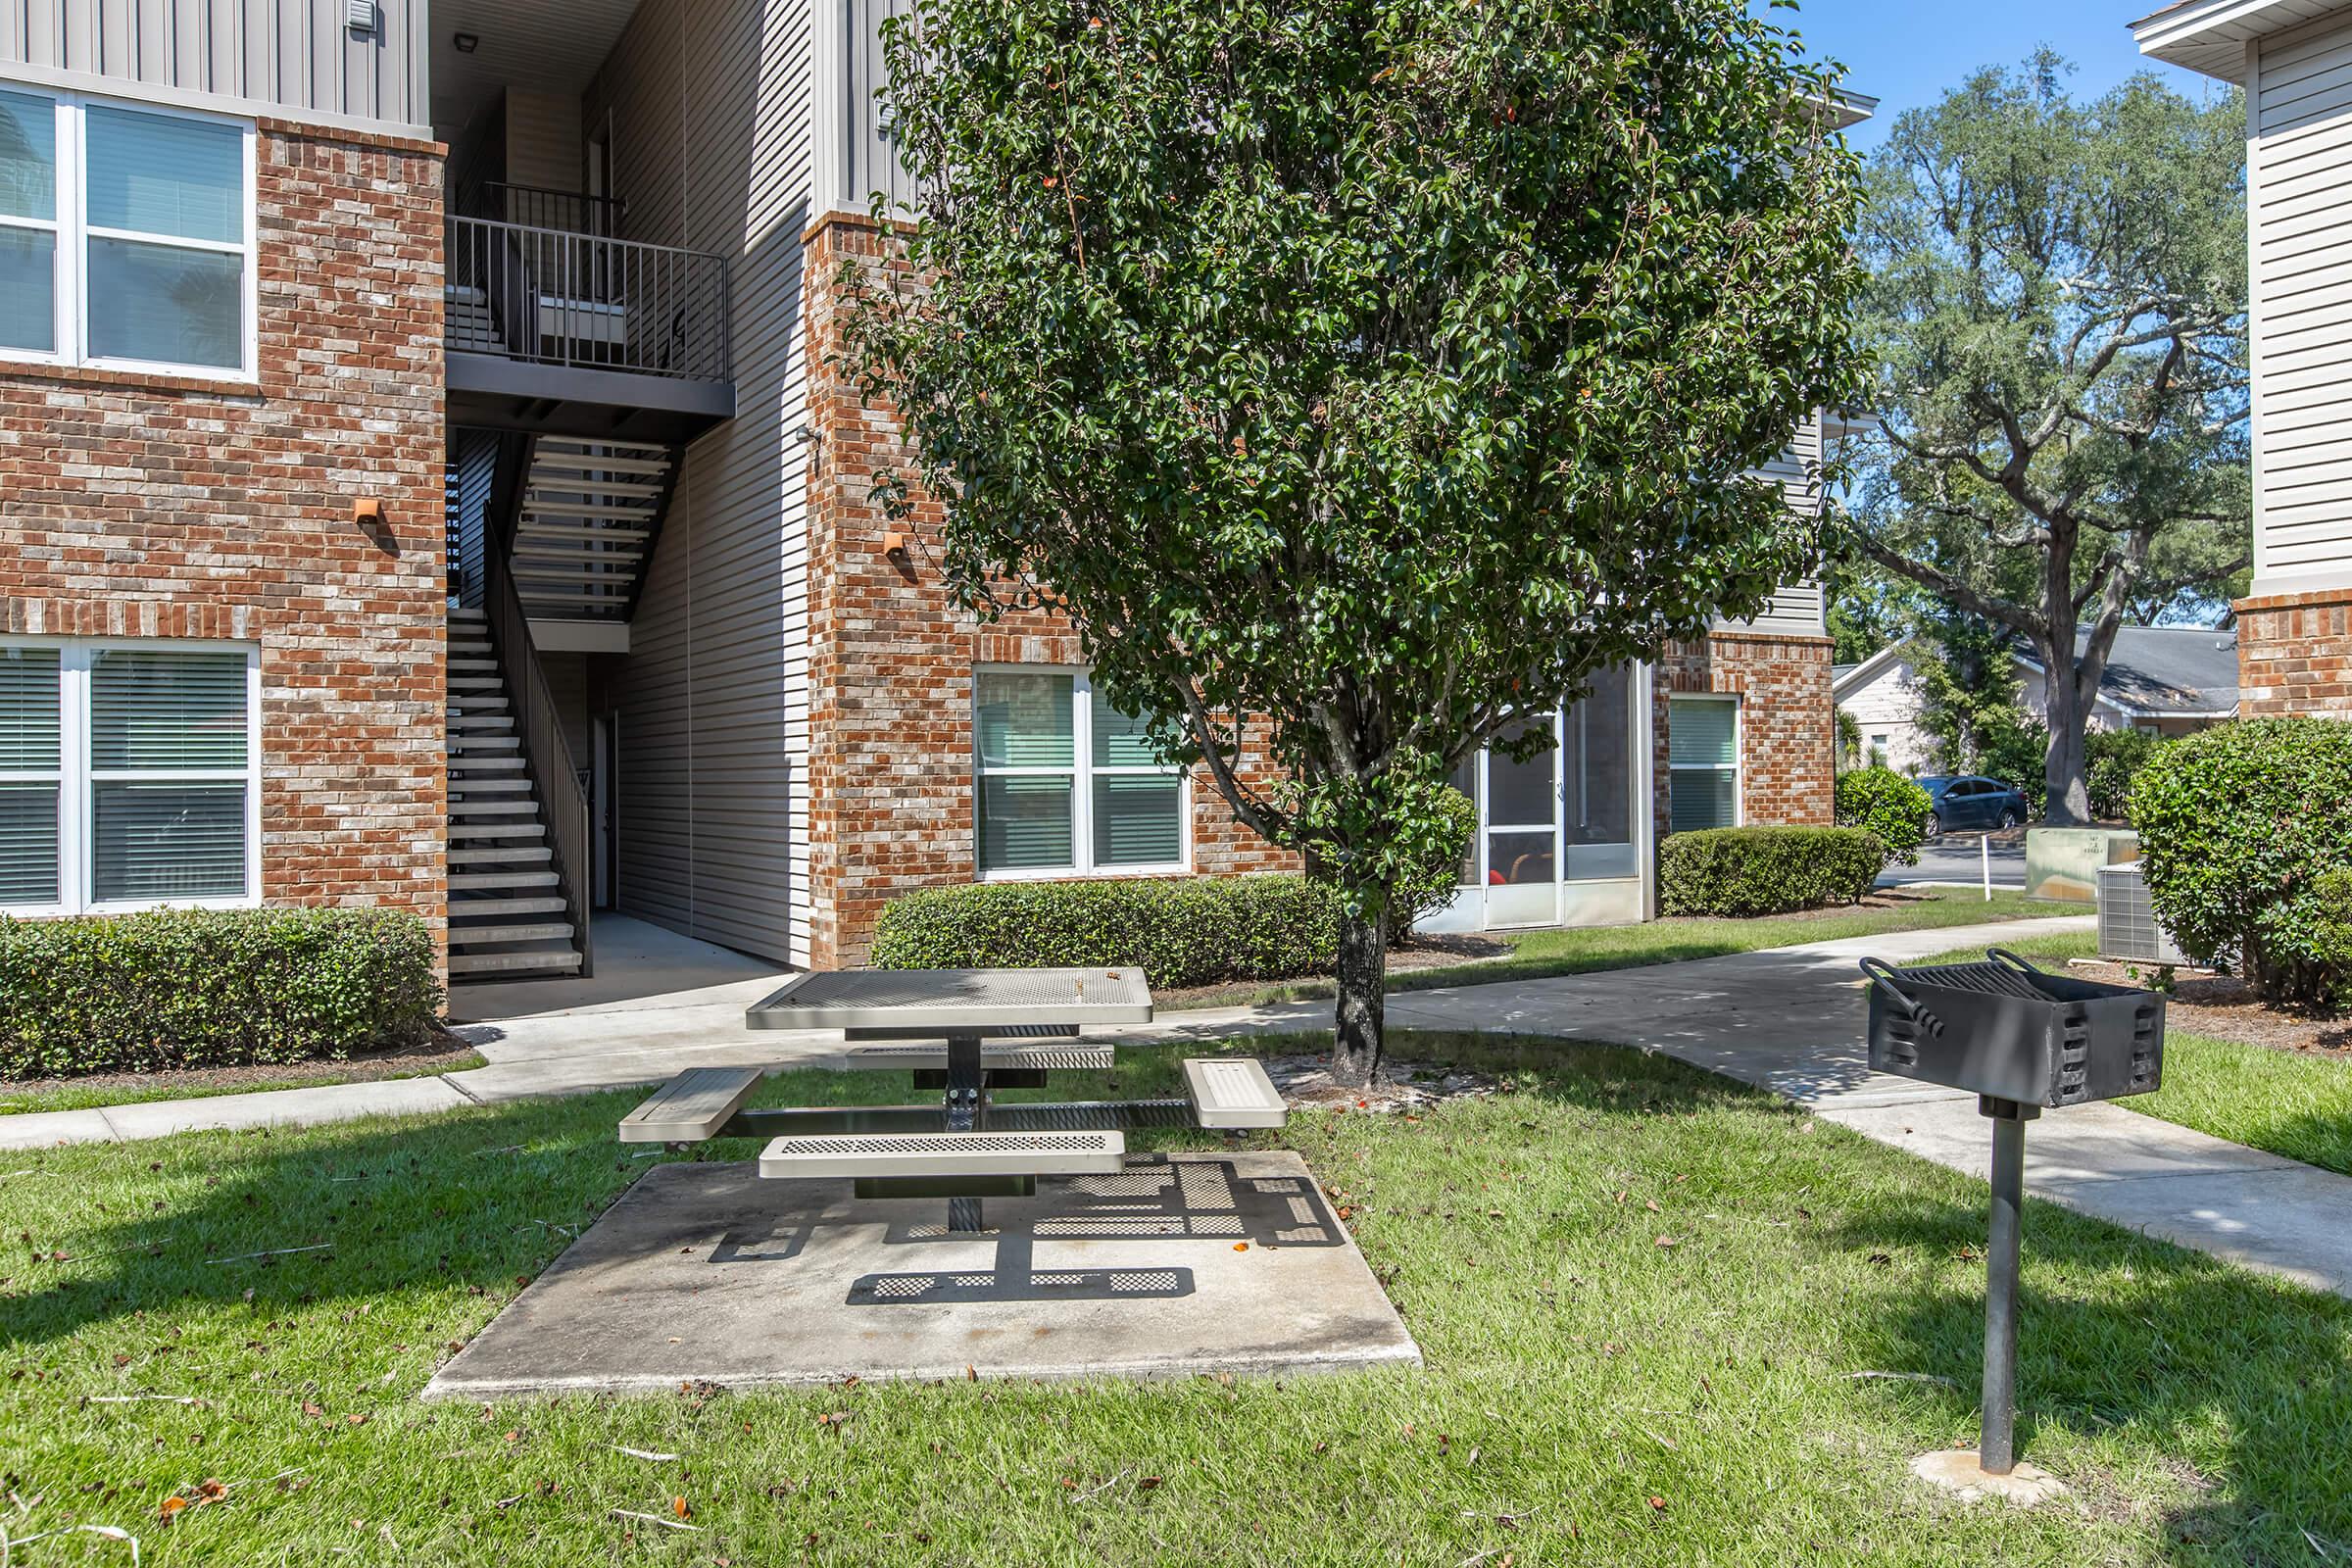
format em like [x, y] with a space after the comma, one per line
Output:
[498, 830]
[514, 805]
[488, 908]
[485, 765]
[548, 460]
[490, 881]
[492, 934]
[553, 960]
[564, 489]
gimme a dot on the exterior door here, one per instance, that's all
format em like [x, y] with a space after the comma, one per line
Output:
[1522, 836]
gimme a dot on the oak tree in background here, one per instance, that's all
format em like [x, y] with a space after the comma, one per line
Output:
[2057, 307]
[1357, 374]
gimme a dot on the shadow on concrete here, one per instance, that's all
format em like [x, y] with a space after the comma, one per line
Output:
[638, 964]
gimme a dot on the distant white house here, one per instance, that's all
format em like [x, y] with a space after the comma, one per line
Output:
[2165, 681]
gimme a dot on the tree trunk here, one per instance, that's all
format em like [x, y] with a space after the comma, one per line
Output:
[1362, 1004]
[2067, 802]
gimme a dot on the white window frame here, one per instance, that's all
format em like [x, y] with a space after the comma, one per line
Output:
[1082, 774]
[73, 231]
[1738, 763]
[76, 809]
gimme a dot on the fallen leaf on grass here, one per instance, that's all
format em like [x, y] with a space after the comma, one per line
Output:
[1670, 1241]
[1658, 1503]
[678, 1506]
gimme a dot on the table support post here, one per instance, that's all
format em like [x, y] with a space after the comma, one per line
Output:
[963, 1110]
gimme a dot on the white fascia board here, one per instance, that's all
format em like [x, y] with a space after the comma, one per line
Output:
[2211, 37]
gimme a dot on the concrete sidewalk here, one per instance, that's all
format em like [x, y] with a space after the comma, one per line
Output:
[1790, 1020]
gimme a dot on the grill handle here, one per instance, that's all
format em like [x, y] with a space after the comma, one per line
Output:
[2011, 961]
[1882, 974]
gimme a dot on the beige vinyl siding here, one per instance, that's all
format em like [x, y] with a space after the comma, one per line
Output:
[1795, 609]
[711, 130]
[2299, 149]
[294, 58]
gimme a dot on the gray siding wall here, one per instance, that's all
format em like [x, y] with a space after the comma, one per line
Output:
[1797, 609]
[868, 160]
[294, 58]
[711, 128]
[543, 141]
[2299, 151]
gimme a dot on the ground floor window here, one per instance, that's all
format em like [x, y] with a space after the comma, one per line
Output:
[127, 775]
[1703, 749]
[1067, 785]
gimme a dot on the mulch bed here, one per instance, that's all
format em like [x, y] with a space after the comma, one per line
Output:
[443, 1052]
[2221, 1005]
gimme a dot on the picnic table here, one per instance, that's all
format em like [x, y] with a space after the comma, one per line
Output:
[967, 1033]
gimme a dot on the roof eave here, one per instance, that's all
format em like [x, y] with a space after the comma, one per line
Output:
[2210, 36]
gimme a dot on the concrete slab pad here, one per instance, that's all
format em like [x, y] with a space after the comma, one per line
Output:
[1177, 1265]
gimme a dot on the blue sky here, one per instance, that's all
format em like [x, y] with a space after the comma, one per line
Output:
[1907, 52]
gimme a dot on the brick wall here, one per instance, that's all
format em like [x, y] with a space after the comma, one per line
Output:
[890, 666]
[2294, 654]
[138, 506]
[1787, 723]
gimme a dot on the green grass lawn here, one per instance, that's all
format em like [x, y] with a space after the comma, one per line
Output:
[80, 1097]
[1592, 1395]
[2285, 1102]
[1539, 954]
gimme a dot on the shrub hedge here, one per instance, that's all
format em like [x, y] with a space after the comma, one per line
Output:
[2245, 830]
[1179, 931]
[210, 988]
[1888, 805]
[2111, 761]
[1434, 881]
[1744, 871]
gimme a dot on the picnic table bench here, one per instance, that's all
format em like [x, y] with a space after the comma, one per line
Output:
[968, 1033]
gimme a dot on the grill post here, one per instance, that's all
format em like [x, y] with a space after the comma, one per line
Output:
[1997, 1449]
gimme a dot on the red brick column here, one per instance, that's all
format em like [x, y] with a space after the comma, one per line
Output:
[142, 506]
[1788, 721]
[2294, 654]
[890, 661]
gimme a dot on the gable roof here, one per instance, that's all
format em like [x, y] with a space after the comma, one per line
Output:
[2166, 672]
[2152, 671]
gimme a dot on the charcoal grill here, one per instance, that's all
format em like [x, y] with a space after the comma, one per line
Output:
[2021, 1040]
[2006, 1030]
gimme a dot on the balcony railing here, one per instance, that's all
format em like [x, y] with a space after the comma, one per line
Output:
[555, 296]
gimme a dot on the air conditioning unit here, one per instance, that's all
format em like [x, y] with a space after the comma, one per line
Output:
[2128, 928]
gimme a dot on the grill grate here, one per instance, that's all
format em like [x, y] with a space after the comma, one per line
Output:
[1988, 979]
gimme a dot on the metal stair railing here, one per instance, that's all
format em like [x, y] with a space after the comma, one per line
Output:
[546, 755]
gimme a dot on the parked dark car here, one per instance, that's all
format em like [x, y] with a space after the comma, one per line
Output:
[1973, 803]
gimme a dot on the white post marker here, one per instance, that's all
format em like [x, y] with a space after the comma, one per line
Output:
[1984, 844]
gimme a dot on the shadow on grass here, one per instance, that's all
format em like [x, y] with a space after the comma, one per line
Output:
[2247, 1382]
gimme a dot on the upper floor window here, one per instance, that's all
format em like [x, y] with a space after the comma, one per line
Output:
[1069, 786]
[127, 775]
[126, 236]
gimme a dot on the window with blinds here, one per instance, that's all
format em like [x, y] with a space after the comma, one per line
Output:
[1066, 784]
[126, 234]
[1702, 744]
[127, 776]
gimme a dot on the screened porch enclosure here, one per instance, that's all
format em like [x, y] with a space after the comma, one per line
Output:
[1563, 832]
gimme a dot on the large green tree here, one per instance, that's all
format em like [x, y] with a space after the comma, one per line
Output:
[1358, 377]
[2057, 307]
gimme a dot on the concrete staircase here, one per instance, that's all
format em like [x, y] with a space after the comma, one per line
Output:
[506, 903]
[467, 327]
[589, 513]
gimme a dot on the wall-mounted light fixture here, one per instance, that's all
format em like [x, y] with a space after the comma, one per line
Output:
[894, 546]
[367, 510]
[467, 42]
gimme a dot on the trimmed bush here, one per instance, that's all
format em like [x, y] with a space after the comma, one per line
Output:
[2111, 760]
[1884, 802]
[1432, 883]
[1179, 931]
[2245, 834]
[210, 988]
[1744, 871]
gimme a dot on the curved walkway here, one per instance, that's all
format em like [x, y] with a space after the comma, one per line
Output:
[1790, 1020]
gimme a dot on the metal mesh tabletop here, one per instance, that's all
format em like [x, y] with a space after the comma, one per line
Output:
[951, 1000]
